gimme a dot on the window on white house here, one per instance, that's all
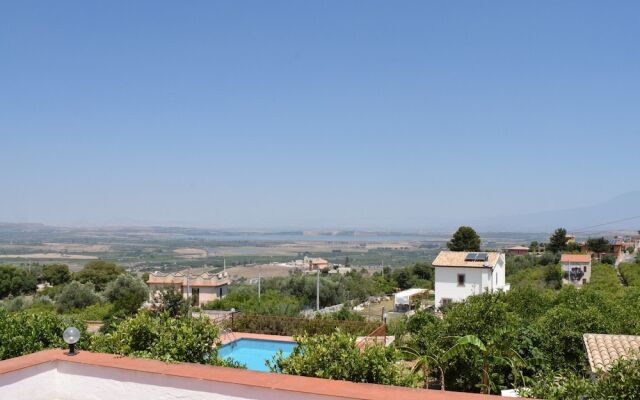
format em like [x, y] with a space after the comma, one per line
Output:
[461, 279]
[585, 268]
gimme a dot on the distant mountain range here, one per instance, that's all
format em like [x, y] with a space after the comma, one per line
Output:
[619, 213]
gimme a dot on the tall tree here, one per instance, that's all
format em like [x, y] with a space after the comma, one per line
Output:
[598, 245]
[465, 239]
[56, 274]
[558, 241]
[99, 272]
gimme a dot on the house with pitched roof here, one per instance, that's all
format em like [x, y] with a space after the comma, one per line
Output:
[576, 269]
[203, 287]
[460, 274]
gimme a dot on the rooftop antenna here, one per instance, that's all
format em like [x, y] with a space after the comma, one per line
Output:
[224, 264]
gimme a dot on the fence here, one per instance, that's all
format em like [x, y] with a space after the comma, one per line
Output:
[292, 326]
[377, 336]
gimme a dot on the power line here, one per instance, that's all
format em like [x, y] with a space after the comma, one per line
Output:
[606, 223]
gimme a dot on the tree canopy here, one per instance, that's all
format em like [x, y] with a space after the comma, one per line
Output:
[127, 293]
[99, 273]
[15, 281]
[558, 241]
[464, 239]
[56, 274]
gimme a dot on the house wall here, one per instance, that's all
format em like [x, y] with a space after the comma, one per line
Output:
[567, 266]
[477, 281]
[446, 284]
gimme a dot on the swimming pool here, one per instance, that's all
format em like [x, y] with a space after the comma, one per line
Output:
[255, 352]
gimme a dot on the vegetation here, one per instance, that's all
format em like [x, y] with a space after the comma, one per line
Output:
[56, 274]
[464, 239]
[630, 273]
[245, 299]
[558, 241]
[27, 332]
[99, 273]
[598, 245]
[126, 293]
[162, 337]
[15, 281]
[76, 295]
[337, 356]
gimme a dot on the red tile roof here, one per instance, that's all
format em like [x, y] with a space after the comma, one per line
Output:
[579, 258]
[271, 381]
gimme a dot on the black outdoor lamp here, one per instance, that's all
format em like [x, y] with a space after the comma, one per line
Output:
[71, 335]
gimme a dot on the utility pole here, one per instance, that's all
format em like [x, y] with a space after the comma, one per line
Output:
[318, 291]
[259, 279]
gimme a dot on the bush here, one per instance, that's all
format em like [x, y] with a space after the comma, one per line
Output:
[126, 293]
[26, 332]
[76, 295]
[608, 259]
[56, 274]
[245, 299]
[99, 273]
[630, 273]
[337, 356]
[162, 337]
[15, 281]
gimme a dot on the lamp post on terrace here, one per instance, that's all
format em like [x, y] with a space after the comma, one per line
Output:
[71, 336]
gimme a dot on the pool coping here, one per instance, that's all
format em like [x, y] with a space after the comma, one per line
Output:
[232, 337]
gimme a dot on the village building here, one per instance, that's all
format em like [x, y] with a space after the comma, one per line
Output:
[460, 274]
[408, 299]
[203, 287]
[516, 250]
[576, 269]
[314, 264]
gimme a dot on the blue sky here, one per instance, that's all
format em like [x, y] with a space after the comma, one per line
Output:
[314, 114]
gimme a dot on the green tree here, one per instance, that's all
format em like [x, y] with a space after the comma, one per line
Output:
[56, 274]
[28, 332]
[598, 245]
[553, 276]
[534, 246]
[338, 356]
[127, 293]
[162, 337]
[76, 295]
[497, 350]
[15, 281]
[558, 241]
[99, 273]
[465, 239]
[171, 301]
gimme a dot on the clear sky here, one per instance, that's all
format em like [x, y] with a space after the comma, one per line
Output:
[314, 114]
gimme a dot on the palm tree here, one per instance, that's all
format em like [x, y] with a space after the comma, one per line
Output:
[496, 350]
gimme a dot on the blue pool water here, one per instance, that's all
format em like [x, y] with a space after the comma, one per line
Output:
[255, 352]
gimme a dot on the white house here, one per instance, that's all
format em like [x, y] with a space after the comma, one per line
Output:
[460, 274]
[576, 269]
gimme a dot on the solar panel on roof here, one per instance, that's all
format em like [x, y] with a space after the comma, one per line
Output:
[470, 257]
[481, 256]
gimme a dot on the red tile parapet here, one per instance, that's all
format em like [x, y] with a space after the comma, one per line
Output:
[261, 380]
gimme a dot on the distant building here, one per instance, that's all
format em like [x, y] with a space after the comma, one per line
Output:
[316, 263]
[204, 287]
[517, 250]
[576, 269]
[405, 300]
[460, 274]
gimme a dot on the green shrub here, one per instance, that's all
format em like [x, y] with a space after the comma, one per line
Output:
[162, 337]
[27, 332]
[337, 356]
[76, 295]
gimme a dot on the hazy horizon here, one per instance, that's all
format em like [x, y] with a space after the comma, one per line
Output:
[315, 115]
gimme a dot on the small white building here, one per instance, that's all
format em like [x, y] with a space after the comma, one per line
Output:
[404, 300]
[460, 274]
[203, 287]
[576, 269]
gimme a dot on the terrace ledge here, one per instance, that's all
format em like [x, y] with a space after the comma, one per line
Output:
[263, 380]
